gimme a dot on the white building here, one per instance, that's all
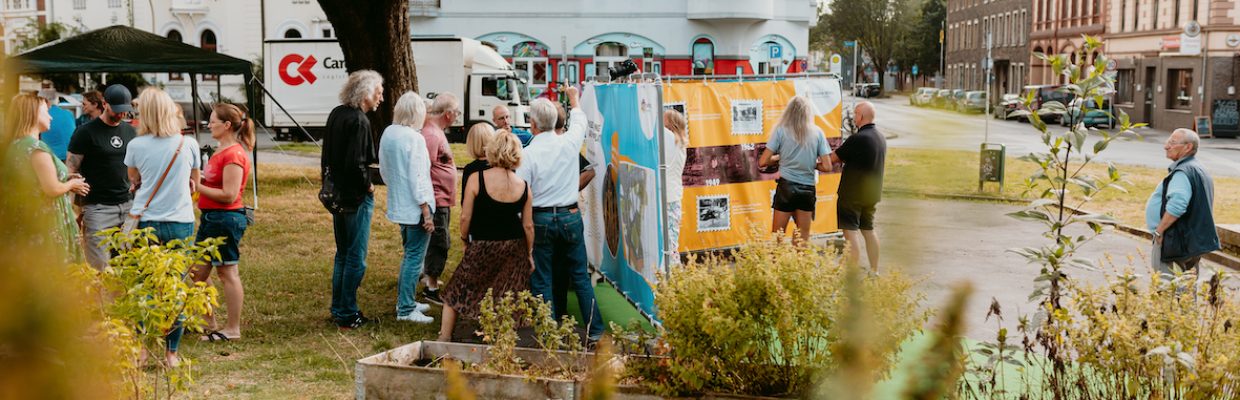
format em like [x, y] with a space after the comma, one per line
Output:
[553, 40]
[556, 41]
[17, 18]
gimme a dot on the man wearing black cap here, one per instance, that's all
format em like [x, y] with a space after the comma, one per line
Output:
[97, 152]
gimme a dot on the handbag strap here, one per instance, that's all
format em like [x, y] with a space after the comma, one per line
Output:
[160, 182]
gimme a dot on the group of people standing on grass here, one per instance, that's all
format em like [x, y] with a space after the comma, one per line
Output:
[520, 225]
[115, 172]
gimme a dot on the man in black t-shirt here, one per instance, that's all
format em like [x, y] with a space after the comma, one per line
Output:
[97, 152]
[861, 184]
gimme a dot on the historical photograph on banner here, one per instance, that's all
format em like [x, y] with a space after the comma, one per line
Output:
[637, 205]
[747, 117]
[714, 213]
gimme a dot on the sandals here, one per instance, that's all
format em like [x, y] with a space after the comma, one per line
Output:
[216, 336]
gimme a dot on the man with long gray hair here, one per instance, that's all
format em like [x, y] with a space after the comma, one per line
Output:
[559, 248]
[1180, 212]
[347, 192]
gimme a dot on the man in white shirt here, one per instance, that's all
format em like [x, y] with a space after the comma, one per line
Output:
[548, 164]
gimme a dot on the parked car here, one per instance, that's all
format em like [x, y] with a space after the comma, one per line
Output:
[922, 97]
[941, 98]
[1009, 104]
[973, 101]
[957, 97]
[1045, 94]
[865, 90]
[1094, 115]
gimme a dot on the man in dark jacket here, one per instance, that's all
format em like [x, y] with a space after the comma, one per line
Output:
[348, 151]
[1180, 212]
[861, 184]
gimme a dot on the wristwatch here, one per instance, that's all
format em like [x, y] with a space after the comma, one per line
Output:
[1157, 235]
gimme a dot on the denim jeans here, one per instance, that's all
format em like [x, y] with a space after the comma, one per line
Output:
[352, 231]
[560, 262]
[415, 240]
[167, 232]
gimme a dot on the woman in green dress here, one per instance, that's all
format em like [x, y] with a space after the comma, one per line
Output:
[27, 117]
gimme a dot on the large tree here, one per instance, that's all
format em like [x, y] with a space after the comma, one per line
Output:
[375, 35]
[879, 26]
[925, 50]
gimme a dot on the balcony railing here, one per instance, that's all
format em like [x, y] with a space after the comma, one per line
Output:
[731, 9]
[424, 8]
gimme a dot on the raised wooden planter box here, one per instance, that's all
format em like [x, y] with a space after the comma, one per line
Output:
[400, 373]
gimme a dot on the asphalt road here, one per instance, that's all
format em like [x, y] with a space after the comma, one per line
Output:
[929, 128]
[947, 243]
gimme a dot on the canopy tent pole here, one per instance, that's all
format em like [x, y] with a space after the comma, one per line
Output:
[193, 103]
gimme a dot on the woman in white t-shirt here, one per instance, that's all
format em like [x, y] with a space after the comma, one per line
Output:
[676, 141]
[160, 152]
[168, 206]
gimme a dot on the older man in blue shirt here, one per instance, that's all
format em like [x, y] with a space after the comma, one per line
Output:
[1180, 212]
[559, 242]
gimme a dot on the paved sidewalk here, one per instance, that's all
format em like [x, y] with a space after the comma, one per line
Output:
[945, 243]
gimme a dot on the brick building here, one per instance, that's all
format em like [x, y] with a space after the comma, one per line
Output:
[1165, 75]
[968, 22]
[1058, 26]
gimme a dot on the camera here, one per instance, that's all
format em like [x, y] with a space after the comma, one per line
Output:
[626, 68]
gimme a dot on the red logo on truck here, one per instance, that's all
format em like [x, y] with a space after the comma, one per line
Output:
[303, 74]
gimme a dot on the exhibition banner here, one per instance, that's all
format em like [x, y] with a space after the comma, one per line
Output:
[726, 194]
[622, 208]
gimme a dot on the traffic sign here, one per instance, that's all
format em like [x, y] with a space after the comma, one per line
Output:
[914, 70]
[777, 52]
[849, 43]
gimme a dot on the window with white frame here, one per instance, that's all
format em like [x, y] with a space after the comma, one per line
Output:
[79, 4]
[114, 3]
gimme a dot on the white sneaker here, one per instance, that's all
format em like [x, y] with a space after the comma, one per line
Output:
[421, 307]
[415, 317]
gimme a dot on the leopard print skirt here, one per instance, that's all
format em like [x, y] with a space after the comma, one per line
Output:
[499, 265]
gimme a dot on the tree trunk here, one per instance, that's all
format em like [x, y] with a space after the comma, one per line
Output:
[375, 35]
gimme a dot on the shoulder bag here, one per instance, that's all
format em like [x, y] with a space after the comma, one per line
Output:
[131, 223]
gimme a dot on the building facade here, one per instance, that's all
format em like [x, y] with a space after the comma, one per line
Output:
[1058, 28]
[552, 41]
[17, 19]
[1165, 76]
[557, 41]
[968, 24]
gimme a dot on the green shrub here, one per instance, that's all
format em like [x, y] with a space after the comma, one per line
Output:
[770, 319]
[140, 295]
[1153, 341]
[500, 316]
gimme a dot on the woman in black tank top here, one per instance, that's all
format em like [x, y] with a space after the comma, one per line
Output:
[498, 236]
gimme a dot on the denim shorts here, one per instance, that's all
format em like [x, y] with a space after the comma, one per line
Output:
[228, 224]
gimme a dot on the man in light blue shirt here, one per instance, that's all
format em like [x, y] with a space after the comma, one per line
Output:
[1180, 212]
[57, 136]
[549, 165]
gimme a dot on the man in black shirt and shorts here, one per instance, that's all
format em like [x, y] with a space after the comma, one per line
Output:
[861, 184]
[97, 152]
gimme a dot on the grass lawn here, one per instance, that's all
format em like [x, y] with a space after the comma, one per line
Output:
[302, 148]
[955, 172]
[291, 350]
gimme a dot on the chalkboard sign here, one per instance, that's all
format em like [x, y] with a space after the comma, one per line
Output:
[1202, 122]
[990, 169]
[1225, 119]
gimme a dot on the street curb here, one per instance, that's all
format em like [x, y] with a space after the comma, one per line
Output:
[1218, 257]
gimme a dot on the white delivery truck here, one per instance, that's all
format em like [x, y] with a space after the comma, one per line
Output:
[305, 77]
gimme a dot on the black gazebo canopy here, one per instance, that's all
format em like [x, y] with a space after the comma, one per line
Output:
[119, 48]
